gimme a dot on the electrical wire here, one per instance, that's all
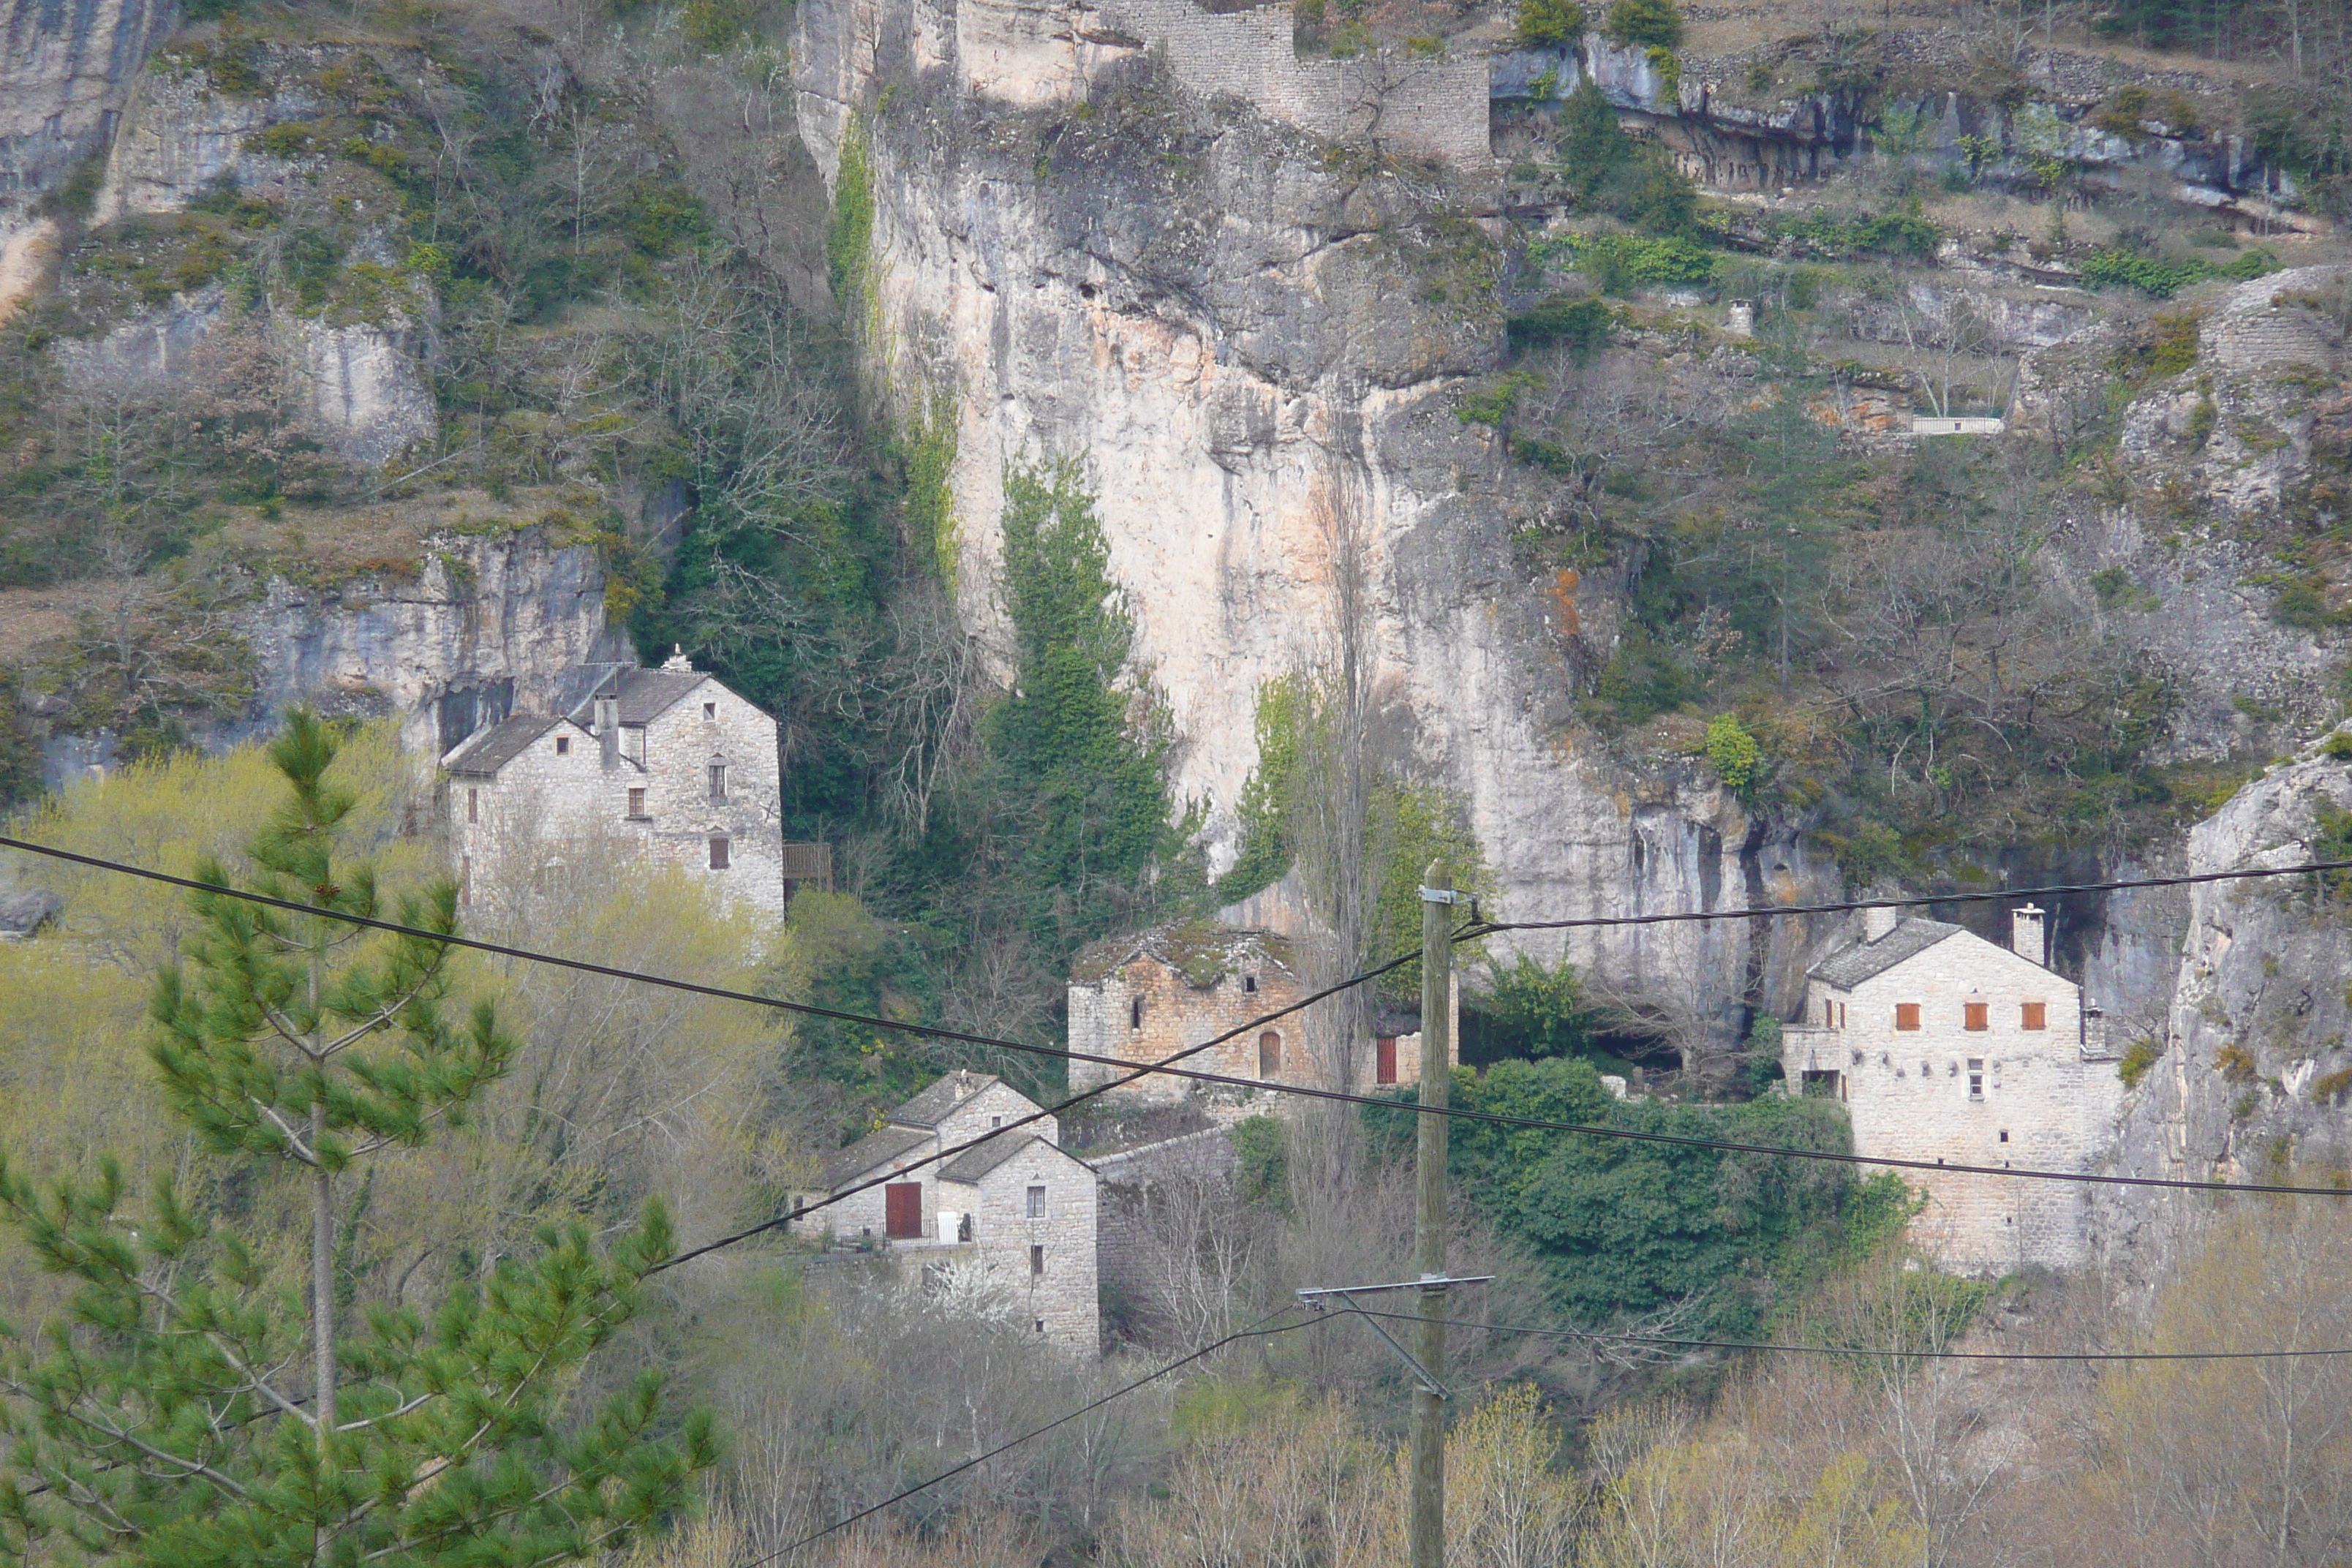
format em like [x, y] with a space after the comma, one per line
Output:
[1256, 1330]
[1168, 1068]
[1849, 1350]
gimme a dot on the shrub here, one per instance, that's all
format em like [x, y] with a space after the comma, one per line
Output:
[1495, 403]
[1651, 24]
[2138, 1057]
[2235, 1064]
[2123, 112]
[1579, 325]
[2333, 1089]
[1732, 752]
[2338, 746]
[1617, 262]
[2109, 268]
[1542, 23]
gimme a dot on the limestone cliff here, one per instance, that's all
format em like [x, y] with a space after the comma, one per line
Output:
[1256, 345]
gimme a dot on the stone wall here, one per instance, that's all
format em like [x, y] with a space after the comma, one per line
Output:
[2047, 1101]
[1177, 1016]
[712, 725]
[1061, 1300]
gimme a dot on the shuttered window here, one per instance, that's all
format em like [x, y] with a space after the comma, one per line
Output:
[1906, 1015]
[2033, 1016]
[1975, 1016]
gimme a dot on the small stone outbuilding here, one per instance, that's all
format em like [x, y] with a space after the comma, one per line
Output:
[1018, 1203]
[1945, 1047]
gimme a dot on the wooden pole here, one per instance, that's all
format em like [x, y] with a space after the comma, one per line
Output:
[1428, 1530]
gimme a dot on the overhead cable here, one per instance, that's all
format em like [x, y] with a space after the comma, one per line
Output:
[1678, 1343]
[1256, 1330]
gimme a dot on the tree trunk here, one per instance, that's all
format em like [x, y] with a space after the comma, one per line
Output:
[322, 1278]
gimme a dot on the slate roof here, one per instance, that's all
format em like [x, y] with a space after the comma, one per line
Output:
[490, 749]
[930, 1107]
[1850, 966]
[981, 1158]
[874, 1149]
[645, 694]
[1203, 954]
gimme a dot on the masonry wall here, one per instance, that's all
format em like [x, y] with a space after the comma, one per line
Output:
[1907, 1094]
[1177, 1016]
[681, 745]
[1064, 1297]
[543, 804]
[1122, 1255]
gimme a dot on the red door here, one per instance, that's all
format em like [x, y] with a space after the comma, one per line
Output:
[1384, 1060]
[902, 1211]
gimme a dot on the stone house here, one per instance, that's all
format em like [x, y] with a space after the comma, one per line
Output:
[1018, 1205]
[1143, 998]
[668, 761]
[1943, 1046]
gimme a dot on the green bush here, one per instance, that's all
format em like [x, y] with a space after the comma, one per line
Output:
[2111, 268]
[1651, 24]
[1732, 752]
[1543, 23]
[1618, 262]
[1495, 403]
[2138, 1057]
[1531, 1011]
[1579, 325]
[2338, 746]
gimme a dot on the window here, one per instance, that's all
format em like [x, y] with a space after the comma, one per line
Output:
[563, 745]
[1812, 1085]
[1976, 1017]
[710, 710]
[1038, 1203]
[636, 803]
[1249, 983]
[1041, 1325]
[1269, 1055]
[1906, 1015]
[1840, 1015]
[2004, 1134]
[902, 1210]
[718, 851]
[1037, 1263]
[2033, 1016]
[1135, 1014]
[1976, 1078]
[719, 780]
[473, 805]
[994, 1122]
[1384, 1060]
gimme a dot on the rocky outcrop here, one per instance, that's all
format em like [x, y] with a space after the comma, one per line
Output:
[65, 75]
[2252, 1079]
[1257, 352]
[487, 626]
[183, 131]
[360, 384]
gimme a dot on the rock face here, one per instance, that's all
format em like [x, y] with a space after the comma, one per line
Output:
[181, 132]
[487, 627]
[361, 384]
[1257, 354]
[64, 78]
[2253, 1079]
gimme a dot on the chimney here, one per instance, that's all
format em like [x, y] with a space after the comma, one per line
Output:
[608, 729]
[1879, 921]
[2025, 934]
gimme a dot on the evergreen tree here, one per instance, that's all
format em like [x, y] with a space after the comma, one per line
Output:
[161, 1420]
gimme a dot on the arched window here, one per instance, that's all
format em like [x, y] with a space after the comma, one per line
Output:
[718, 851]
[1269, 1055]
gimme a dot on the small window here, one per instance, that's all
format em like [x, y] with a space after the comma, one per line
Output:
[563, 745]
[1037, 1259]
[1840, 1015]
[2033, 1016]
[718, 851]
[1135, 1013]
[1269, 1055]
[1041, 1325]
[994, 1122]
[636, 803]
[1038, 1203]
[2004, 1134]
[473, 805]
[1906, 1015]
[710, 710]
[1976, 1017]
[1976, 1078]
[1249, 983]
[719, 780]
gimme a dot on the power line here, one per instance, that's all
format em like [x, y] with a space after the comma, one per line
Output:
[1167, 1065]
[1860, 1350]
[1256, 1330]
[1917, 901]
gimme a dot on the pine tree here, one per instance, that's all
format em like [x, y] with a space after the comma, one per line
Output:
[161, 1421]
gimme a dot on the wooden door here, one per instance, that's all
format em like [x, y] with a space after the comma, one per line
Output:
[1384, 1060]
[902, 1210]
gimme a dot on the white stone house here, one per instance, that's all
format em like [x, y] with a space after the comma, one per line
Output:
[1944, 1047]
[668, 761]
[1018, 1205]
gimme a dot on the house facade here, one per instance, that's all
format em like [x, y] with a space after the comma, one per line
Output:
[1944, 1047]
[1143, 998]
[1016, 1203]
[668, 761]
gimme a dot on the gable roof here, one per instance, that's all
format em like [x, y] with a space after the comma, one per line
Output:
[487, 751]
[1203, 954]
[980, 1159]
[645, 694]
[933, 1105]
[1850, 966]
[878, 1148]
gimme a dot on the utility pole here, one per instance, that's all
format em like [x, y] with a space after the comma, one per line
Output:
[1428, 1536]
